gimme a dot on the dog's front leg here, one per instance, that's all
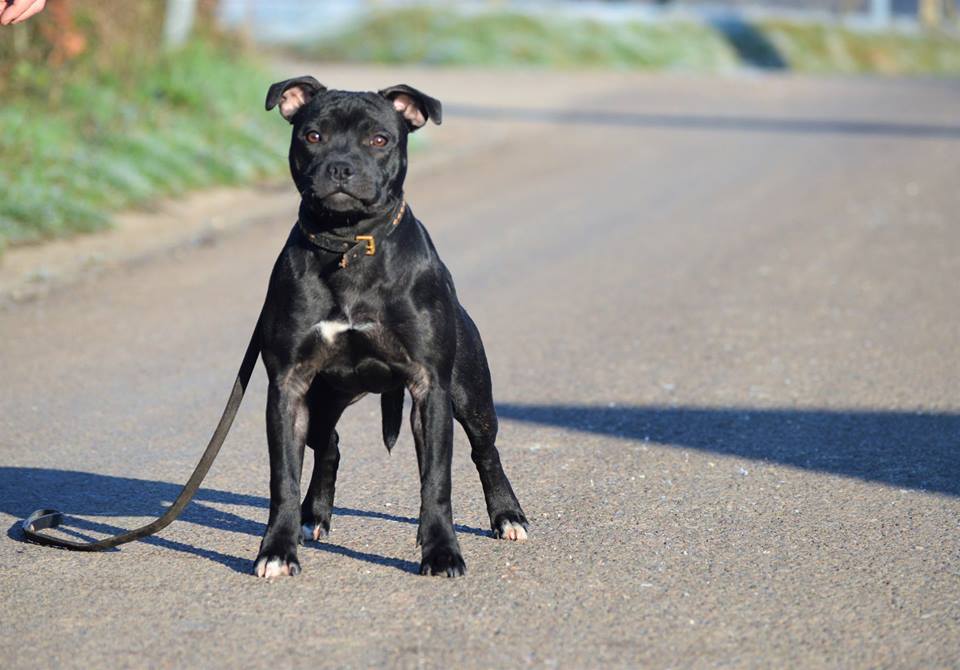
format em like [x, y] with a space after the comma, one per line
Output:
[287, 422]
[432, 419]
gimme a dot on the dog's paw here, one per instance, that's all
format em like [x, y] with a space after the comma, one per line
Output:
[271, 565]
[443, 561]
[314, 531]
[510, 526]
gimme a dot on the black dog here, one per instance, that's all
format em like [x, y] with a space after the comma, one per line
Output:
[359, 302]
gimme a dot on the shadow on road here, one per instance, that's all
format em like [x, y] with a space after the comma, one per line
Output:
[85, 494]
[759, 124]
[903, 449]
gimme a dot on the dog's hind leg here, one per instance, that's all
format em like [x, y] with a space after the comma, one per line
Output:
[326, 407]
[473, 408]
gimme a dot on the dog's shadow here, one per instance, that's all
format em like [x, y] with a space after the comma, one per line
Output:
[81, 495]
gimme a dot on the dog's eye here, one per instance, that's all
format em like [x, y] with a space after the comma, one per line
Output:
[379, 141]
[313, 137]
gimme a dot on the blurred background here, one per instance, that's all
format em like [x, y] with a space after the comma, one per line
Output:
[97, 84]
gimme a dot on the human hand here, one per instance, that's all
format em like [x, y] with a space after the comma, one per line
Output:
[15, 11]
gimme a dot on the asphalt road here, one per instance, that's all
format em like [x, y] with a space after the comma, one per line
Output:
[722, 318]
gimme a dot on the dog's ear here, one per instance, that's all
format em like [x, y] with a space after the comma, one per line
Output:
[414, 106]
[292, 94]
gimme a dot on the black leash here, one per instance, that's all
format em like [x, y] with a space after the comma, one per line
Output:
[51, 518]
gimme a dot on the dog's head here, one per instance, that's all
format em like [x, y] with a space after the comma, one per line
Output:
[348, 153]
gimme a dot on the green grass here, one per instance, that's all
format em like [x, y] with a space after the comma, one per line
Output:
[504, 39]
[830, 50]
[100, 142]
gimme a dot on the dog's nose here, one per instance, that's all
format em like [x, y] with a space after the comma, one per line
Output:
[339, 171]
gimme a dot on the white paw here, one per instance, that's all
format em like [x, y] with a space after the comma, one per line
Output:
[308, 532]
[275, 567]
[510, 530]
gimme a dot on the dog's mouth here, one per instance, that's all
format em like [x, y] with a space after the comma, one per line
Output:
[339, 199]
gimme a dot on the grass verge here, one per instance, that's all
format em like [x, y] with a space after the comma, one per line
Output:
[828, 50]
[445, 37]
[500, 38]
[77, 148]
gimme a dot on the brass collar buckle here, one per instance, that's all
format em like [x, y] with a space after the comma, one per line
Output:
[371, 243]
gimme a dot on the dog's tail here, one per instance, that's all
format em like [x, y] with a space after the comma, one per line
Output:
[391, 409]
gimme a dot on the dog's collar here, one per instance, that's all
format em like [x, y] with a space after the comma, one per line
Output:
[352, 248]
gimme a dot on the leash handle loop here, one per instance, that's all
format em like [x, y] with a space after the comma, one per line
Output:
[43, 519]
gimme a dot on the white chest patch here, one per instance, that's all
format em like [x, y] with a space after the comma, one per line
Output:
[330, 329]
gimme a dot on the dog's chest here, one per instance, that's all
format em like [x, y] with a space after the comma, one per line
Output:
[356, 353]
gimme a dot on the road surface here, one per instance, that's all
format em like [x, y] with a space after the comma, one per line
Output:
[722, 318]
